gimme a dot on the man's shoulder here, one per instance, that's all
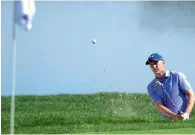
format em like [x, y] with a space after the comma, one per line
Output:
[174, 72]
[178, 73]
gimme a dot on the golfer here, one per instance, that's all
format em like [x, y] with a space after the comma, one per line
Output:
[170, 91]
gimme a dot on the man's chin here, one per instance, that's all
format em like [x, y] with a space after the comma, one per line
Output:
[156, 73]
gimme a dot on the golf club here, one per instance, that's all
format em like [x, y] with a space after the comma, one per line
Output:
[161, 86]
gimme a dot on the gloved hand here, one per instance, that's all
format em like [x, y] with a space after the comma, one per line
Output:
[185, 116]
[182, 116]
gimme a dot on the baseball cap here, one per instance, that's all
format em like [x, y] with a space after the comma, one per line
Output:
[154, 57]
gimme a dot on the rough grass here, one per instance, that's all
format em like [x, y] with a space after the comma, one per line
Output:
[93, 113]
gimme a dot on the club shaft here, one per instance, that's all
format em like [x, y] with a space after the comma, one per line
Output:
[170, 99]
[163, 88]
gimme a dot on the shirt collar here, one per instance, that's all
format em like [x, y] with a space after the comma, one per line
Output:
[167, 74]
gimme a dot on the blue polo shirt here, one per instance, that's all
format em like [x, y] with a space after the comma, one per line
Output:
[176, 84]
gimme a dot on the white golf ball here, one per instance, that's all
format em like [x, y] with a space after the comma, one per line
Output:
[94, 41]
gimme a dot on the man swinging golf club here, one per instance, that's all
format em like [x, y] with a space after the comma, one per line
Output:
[170, 91]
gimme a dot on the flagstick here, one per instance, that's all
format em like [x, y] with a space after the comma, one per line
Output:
[13, 72]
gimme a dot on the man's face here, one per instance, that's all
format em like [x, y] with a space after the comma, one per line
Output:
[157, 66]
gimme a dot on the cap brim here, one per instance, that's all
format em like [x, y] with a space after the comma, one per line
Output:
[147, 62]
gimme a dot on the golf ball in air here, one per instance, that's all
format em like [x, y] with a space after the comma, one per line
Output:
[94, 41]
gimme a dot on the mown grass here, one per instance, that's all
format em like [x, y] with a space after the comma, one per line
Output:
[158, 131]
[89, 113]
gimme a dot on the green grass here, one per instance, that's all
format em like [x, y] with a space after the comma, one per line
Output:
[158, 131]
[92, 113]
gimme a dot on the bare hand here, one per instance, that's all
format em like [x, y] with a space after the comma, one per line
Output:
[179, 117]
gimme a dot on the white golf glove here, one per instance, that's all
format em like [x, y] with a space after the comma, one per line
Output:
[186, 116]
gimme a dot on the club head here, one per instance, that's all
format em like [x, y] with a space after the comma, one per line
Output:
[159, 84]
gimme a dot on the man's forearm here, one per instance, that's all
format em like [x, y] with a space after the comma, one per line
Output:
[191, 101]
[166, 111]
[190, 104]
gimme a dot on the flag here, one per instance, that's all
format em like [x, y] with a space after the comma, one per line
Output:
[24, 13]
